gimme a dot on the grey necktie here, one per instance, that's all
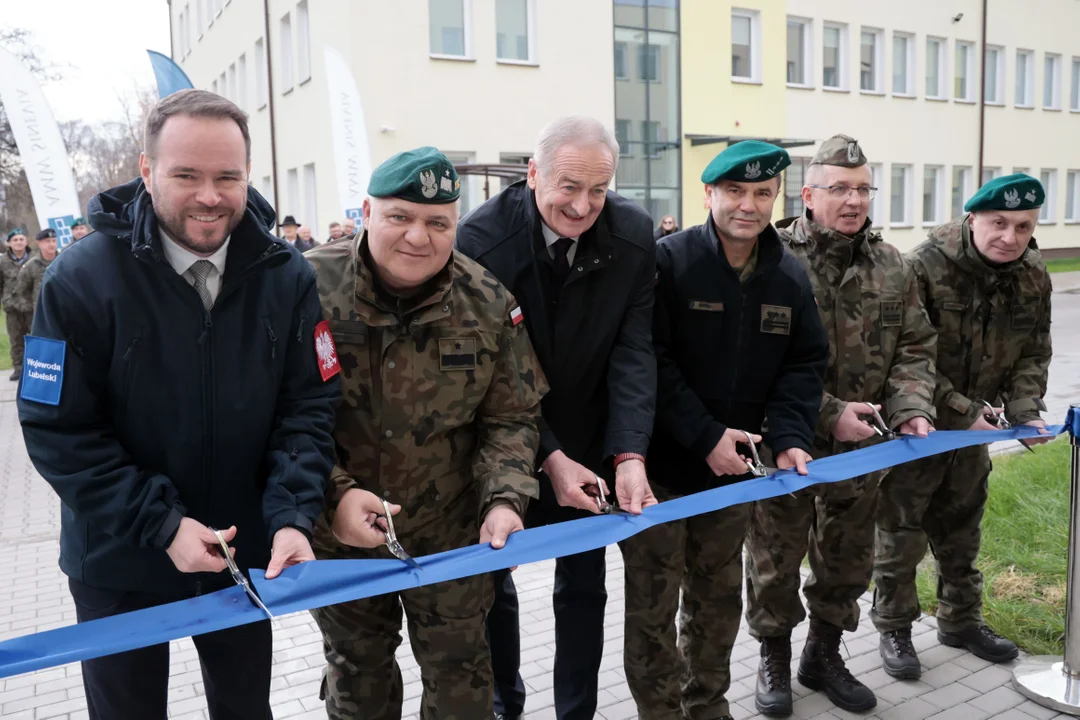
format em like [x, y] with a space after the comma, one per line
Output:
[200, 270]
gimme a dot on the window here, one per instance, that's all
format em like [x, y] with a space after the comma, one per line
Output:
[180, 35]
[267, 190]
[988, 174]
[834, 56]
[650, 135]
[232, 83]
[870, 61]
[187, 29]
[292, 193]
[1052, 82]
[1025, 78]
[1072, 196]
[242, 87]
[448, 29]
[798, 52]
[875, 202]
[900, 195]
[1024, 170]
[213, 86]
[965, 71]
[1074, 86]
[994, 80]
[649, 62]
[794, 179]
[469, 192]
[746, 45]
[260, 73]
[286, 54]
[513, 28]
[903, 64]
[303, 43]
[961, 189]
[223, 85]
[622, 134]
[209, 12]
[200, 19]
[311, 199]
[1048, 212]
[933, 176]
[935, 68]
[620, 61]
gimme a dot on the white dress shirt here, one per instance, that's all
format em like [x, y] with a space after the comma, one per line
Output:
[182, 259]
[551, 237]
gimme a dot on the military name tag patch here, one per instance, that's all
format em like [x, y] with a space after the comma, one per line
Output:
[43, 370]
[707, 306]
[326, 351]
[457, 353]
[892, 313]
[775, 319]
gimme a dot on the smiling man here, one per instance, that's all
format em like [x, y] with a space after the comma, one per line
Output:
[185, 394]
[984, 284]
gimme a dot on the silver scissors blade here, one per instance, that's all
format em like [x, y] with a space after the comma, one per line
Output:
[602, 504]
[392, 543]
[756, 468]
[881, 428]
[238, 577]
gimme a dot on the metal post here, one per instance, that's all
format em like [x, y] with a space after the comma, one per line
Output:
[1054, 681]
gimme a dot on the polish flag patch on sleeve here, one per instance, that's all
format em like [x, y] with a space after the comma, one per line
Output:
[515, 315]
[326, 351]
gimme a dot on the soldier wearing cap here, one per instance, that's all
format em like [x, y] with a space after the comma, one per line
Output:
[881, 352]
[79, 229]
[28, 283]
[987, 291]
[737, 338]
[441, 397]
[15, 255]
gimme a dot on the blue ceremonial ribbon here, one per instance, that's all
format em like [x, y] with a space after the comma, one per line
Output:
[327, 582]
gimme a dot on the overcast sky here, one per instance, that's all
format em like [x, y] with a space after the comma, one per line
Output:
[98, 45]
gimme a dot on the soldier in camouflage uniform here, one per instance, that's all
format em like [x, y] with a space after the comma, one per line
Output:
[15, 255]
[441, 394]
[881, 351]
[987, 291]
[28, 283]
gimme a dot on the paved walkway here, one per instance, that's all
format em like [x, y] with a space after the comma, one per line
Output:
[954, 684]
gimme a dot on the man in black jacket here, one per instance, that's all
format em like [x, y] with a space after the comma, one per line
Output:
[741, 356]
[580, 262]
[179, 391]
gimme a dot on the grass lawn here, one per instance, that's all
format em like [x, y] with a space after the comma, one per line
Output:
[1063, 264]
[5, 347]
[1025, 536]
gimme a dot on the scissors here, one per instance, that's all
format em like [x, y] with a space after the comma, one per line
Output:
[991, 416]
[755, 466]
[391, 539]
[880, 427]
[597, 493]
[238, 576]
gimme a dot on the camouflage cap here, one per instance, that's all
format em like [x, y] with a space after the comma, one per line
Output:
[841, 150]
[16, 231]
[423, 175]
[746, 161]
[1011, 192]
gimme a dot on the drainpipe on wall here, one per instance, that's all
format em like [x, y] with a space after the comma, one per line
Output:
[270, 100]
[982, 96]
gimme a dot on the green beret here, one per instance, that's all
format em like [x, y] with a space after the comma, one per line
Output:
[746, 161]
[1011, 192]
[423, 175]
[840, 150]
[79, 221]
[16, 231]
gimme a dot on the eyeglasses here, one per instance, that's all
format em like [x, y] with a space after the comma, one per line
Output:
[842, 191]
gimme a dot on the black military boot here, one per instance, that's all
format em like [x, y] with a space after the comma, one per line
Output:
[982, 641]
[773, 696]
[15, 374]
[898, 655]
[822, 668]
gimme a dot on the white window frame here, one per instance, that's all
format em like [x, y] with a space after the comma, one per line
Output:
[626, 59]
[1072, 177]
[201, 18]
[292, 193]
[999, 86]
[1074, 82]
[285, 53]
[628, 151]
[942, 91]
[755, 45]
[311, 198]
[530, 34]
[875, 203]
[843, 73]
[267, 189]
[1024, 170]
[971, 88]
[1055, 103]
[180, 35]
[966, 190]
[466, 20]
[214, 87]
[908, 195]
[909, 65]
[223, 84]
[1026, 98]
[1048, 212]
[303, 43]
[209, 13]
[242, 87]
[261, 87]
[646, 143]
[879, 61]
[806, 27]
[995, 173]
[232, 83]
[940, 196]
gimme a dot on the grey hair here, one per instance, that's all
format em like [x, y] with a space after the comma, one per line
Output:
[579, 130]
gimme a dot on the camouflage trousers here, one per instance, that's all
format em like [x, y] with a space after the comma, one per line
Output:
[941, 500]
[684, 676]
[363, 681]
[834, 524]
[18, 326]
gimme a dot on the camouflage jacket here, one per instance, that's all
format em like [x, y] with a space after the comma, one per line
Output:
[993, 327]
[882, 347]
[28, 284]
[9, 273]
[437, 401]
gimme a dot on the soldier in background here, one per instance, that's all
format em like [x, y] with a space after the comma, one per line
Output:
[441, 397]
[28, 283]
[987, 291]
[79, 229]
[15, 255]
[881, 351]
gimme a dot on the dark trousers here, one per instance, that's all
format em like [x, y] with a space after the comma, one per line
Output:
[579, 600]
[135, 685]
